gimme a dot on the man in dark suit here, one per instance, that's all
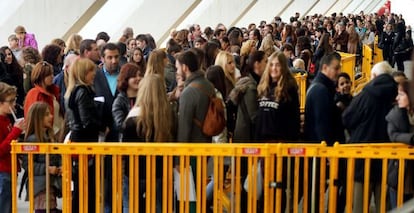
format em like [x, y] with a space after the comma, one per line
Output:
[105, 89]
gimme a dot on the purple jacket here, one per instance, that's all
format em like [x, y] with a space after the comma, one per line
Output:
[29, 40]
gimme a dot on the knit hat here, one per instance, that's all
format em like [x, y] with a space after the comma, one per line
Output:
[20, 29]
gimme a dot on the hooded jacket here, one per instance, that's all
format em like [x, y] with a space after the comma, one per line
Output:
[365, 119]
[244, 96]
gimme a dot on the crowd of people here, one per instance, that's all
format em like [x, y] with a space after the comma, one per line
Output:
[91, 90]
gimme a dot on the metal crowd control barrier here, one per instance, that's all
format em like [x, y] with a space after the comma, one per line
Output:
[348, 66]
[185, 179]
[301, 80]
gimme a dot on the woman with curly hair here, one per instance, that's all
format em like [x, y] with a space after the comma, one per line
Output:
[52, 54]
[30, 57]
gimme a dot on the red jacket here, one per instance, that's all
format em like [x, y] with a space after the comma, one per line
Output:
[7, 134]
[38, 93]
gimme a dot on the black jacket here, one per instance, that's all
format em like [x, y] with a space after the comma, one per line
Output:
[102, 90]
[322, 116]
[120, 108]
[365, 119]
[82, 115]
[278, 120]
[365, 116]
[130, 134]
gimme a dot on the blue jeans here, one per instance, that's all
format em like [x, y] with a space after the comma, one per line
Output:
[125, 194]
[5, 192]
[141, 199]
[393, 197]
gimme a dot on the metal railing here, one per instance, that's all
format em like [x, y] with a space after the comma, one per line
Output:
[280, 176]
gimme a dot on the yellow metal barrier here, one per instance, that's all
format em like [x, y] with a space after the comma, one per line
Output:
[301, 80]
[348, 66]
[183, 175]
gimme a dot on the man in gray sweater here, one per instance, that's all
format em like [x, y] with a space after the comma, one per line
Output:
[194, 100]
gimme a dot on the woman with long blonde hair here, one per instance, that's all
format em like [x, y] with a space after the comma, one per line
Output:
[73, 44]
[150, 120]
[82, 117]
[157, 61]
[226, 61]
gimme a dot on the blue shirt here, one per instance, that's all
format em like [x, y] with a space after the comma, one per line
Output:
[111, 79]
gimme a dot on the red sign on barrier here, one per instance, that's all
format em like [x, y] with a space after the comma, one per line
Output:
[251, 151]
[297, 151]
[30, 148]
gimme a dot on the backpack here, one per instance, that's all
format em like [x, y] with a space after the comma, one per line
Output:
[214, 121]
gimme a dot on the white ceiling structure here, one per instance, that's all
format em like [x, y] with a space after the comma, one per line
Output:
[49, 19]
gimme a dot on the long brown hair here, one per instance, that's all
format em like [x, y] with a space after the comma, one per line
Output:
[284, 84]
[156, 64]
[35, 125]
[155, 118]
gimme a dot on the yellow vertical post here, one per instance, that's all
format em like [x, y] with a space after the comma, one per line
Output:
[165, 183]
[69, 183]
[187, 184]
[367, 173]
[153, 182]
[238, 186]
[266, 189]
[220, 184]
[170, 184]
[322, 184]
[400, 191]
[305, 183]
[271, 200]
[350, 184]
[322, 181]
[14, 174]
[137, 193]
[131, 177]
[114, 183]
[148, 185]
[249, 193]
[203, 180]
[31, 185]
[253, 181]
[384, 184]
[215, 179]
[120, 179]
[296, 186]
[199, 183]
[182, 187]
[333, 177]
[98, 183]
[279, 175]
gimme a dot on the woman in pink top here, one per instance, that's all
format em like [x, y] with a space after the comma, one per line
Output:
[25, 39]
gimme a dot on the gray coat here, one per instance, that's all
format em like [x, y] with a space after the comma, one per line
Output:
[39, 170]
[193, 103]
[244, 95]
[398, 126]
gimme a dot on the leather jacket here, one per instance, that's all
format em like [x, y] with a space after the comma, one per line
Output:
[82, 110]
